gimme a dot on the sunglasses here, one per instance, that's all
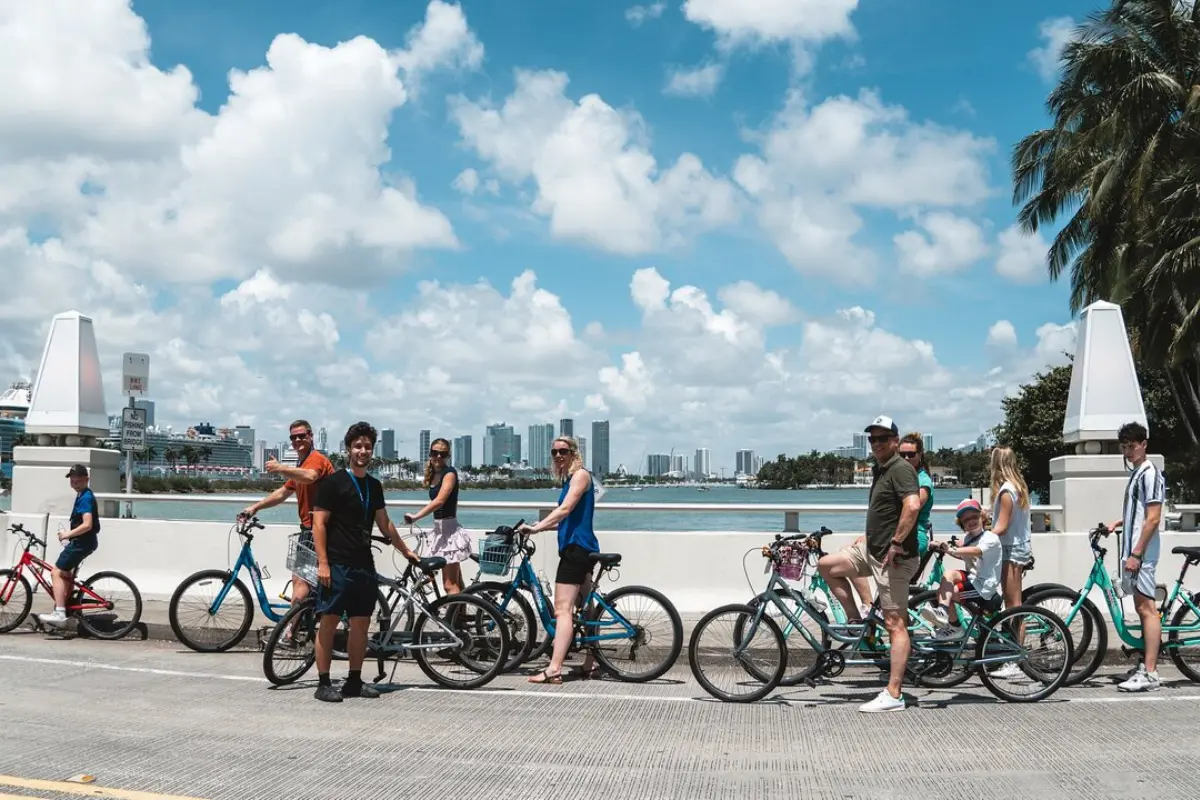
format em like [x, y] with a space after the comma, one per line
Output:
[560, 451]
[913, 454]
[877, 439]
[298, 437]
[438, 453]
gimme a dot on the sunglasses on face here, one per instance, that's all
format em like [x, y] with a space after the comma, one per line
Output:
[912, 454]
[298, 437]
[438, 453]
[878, 439]
[559, 451]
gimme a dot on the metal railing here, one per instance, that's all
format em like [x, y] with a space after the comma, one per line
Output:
[791, 511]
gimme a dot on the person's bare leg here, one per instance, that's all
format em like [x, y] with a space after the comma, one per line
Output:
[452, 580]
[325, 631]
[862, 587]
[61, 581]
[564, 629]
[896, 623]
[1151, 629]
[356, 647]
[836, 569]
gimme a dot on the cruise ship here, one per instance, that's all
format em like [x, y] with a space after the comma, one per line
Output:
[14, 406]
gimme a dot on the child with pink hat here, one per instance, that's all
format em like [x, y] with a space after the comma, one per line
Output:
[980, 553]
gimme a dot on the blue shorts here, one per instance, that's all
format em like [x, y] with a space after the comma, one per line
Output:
[351, 591]
[72, 555]
[1020, 554]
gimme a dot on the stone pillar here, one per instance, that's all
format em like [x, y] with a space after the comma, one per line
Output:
[67, 415]
[1104, 395]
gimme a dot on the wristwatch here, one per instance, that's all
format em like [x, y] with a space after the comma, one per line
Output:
[1138, 556]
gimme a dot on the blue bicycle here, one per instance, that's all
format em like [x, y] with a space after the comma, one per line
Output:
[634, 632]
[211, 610]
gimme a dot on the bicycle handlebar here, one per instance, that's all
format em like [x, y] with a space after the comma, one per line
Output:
[17, 529]
[247, 524]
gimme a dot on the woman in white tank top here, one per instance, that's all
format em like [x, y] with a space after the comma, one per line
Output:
[1011, 521]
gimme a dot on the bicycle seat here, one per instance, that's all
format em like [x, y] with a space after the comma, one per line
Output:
[475, 557]
[432, 563]
[605, 559]
[1190, 552]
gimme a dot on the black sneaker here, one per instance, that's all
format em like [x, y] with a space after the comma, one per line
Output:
[328, 694]
[359, 690]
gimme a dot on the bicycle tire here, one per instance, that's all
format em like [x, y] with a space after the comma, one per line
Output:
[1048, 688]
[483, 610]
[19, 584]
[187, 637]
[958, 674]
[306, 626]
[744, 615]
[1090, 648]
[675, 646]
[1037, 588]
[798, 669]
[85, 621]
[1178, 621]
[522, 627]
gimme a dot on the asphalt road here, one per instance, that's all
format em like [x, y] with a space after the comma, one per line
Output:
[148, 717]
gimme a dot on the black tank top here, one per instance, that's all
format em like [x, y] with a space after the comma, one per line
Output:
[450, 507]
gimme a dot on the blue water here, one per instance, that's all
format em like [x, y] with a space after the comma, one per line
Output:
[607, 519]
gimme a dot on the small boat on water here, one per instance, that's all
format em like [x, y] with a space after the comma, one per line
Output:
[703, 489]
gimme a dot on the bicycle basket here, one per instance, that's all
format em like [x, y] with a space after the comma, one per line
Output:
[495, 554]
[302, 559]
[791, 563]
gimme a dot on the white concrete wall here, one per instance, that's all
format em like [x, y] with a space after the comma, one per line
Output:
[698, 570]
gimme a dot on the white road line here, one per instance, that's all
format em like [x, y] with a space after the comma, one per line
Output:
[174, 673]
[1140, 698]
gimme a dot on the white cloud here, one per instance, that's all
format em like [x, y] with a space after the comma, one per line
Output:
[596, 180]
[443, 39]
[636, 15]
[803, 24]
[467, 181]
[699, 81]
[947, 243]
[764, 306]
[1055, 33]
[1002, 335]
[1022, 257]
[818, 164]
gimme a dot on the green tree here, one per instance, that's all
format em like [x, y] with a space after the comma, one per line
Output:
[191, 455]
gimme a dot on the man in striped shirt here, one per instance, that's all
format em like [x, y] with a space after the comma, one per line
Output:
[1140, 522]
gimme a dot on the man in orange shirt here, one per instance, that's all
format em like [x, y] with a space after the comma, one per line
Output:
[311, 466]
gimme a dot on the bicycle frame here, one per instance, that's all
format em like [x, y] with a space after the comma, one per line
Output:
[384, 647]
[272, 611]
[38, 568]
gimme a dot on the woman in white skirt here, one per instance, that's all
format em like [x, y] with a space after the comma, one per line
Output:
[449, 540]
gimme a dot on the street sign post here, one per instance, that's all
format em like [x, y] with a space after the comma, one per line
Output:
[135, 382]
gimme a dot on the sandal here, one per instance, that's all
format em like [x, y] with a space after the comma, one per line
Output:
[581, 674]
[546, 677]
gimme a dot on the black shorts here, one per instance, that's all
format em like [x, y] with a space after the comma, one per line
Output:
[351, 591]
[574, 565]
[73, 554]
[969, 594]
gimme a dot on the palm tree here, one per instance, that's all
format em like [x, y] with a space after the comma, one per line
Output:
[338, 460]
[1120, 163]
[206, 453]
[191, 455]
[171, 456]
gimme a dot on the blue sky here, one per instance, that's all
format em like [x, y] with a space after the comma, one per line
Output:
[928, 74]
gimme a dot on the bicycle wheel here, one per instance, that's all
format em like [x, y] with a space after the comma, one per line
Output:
[1089, 630]
[1184, 617]
[522, 627]
[1034, 639]
[657, 636]
[474, 637]
[123, 604]
[727, 663]
[938, 676]
[16, 598]
[285, 659]
[803, 662]
[1037, 588]
[194, 621]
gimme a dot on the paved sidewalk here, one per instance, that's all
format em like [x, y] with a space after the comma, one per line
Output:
[150, 717]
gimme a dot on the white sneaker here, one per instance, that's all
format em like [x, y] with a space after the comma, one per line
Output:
[1142, 681]
[935, 616]
[1008, 672]
[949, 633]
[55, 619]
[883, 702]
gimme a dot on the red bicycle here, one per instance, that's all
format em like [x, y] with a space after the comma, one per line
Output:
[107, 605]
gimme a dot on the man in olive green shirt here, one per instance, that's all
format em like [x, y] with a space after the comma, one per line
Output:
[889, 554]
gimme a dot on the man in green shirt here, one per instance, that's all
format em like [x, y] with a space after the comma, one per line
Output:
[888, 554]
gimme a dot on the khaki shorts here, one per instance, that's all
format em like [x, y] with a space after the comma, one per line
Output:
[892, 581]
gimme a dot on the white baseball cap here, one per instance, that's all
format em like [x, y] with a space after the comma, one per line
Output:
[883, 422]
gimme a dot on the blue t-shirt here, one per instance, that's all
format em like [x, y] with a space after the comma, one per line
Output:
[577, 527]
[85, 503]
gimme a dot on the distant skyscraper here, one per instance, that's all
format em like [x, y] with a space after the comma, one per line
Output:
[516, 451]
[928, 442]
[423, 447]
[148, 407]
[323, 441]
[702, 465]
[583, 451]
[540, 439]
[499, 445]
[746, 462]
[244, 434]
[861, 446]
[256, 458]
[658, 464]
[600, 452]
[677, 464]
[566, 427]
[388, 437]
[462, 452]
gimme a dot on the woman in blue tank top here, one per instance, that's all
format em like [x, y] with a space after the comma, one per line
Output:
[576, 543]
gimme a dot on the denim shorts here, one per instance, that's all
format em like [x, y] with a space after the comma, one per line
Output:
[1018, 553]
[72, 555]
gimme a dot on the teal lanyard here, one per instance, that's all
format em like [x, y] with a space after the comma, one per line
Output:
[364, 496]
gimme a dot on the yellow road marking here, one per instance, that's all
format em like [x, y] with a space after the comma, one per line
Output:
[83, 790]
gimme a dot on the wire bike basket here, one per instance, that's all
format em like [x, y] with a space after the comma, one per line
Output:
[791, 562]
[302, 559]
[496, 551]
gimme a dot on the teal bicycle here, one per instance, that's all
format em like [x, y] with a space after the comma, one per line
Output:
[1090, 631]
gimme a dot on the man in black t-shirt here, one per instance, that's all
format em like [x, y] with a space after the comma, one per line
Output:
[348, 505]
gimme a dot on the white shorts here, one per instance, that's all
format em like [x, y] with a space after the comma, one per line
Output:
[1143, 581]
